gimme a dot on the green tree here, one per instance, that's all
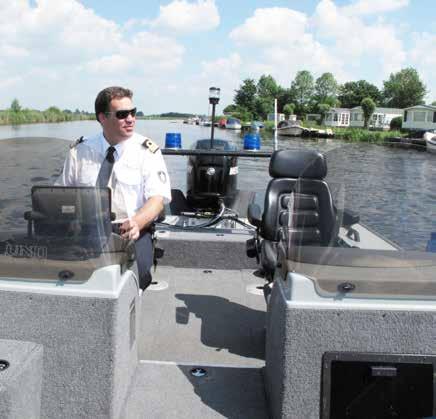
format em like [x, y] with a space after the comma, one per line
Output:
[267, 91]
[284, 97]
[323, 108]
[302, 89]
[267, 87]
[263, 106]
[230, 108]
[15, 106]
[368, 107]
[404, 89]
[288, 109]
[245, 96]
[396, 123]
[433, 103]
[326, 89]
[352, 93]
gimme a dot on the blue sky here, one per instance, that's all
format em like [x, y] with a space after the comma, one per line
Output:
[62, 52]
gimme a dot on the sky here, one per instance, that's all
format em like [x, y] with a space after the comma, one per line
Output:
[63, 52]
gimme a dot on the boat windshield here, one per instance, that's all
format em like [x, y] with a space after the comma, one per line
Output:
[343, 252]
[51, 232]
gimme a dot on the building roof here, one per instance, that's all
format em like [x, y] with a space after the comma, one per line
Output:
[381, 110]
[339, 110]
[430, 107]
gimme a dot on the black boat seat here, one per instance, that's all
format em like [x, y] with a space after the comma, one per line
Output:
[298, 205]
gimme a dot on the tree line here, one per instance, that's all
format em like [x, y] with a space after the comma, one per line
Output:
[255, 99]
[16, 115]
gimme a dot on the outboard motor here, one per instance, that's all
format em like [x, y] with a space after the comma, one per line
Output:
[211, 179]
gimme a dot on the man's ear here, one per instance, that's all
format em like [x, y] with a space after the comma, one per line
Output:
[101, 117]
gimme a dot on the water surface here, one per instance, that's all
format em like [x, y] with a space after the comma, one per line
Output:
[392, 189]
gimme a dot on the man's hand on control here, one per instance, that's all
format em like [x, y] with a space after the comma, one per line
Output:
[130, 229]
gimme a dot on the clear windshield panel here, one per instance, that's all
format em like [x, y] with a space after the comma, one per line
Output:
[376, 244]
[50, 232]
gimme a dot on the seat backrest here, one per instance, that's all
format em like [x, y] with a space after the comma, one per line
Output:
[298, 200]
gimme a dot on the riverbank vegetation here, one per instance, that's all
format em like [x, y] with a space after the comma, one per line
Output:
[351, 134]
[254, 100]
[15, 115]
[364, 135]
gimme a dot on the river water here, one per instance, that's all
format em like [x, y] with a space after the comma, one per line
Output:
[394, 190]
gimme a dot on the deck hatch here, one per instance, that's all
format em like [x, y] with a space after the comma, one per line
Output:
[376, 385]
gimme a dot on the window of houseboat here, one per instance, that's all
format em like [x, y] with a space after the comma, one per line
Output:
[419, 116]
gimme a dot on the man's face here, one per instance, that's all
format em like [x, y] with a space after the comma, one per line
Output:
[117, 130]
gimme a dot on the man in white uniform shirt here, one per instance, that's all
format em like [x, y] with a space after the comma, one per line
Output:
[130, 164]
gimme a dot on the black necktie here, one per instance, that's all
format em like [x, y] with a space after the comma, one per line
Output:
[106, 168]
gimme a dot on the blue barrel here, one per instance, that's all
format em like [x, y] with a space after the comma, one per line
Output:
[431, 244]
[173, 140]
[252, 142]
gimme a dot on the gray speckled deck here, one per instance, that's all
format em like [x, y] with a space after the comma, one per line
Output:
[166, 391]
[204, 316]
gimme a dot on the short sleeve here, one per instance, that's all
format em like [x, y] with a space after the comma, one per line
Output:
[157, 180]
[67, 177]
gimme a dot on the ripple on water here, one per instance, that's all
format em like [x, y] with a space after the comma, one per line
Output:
[39, 179]
[392, 189]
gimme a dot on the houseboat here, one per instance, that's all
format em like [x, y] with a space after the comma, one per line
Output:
[419, 118]
[337, 117]
[380, 119]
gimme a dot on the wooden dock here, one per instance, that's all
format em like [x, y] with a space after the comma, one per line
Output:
[403, 142]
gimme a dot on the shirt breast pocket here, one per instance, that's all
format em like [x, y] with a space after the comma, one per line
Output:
[129, 177]
[128, 193]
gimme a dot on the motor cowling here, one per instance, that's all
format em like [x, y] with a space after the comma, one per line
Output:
[211, 179]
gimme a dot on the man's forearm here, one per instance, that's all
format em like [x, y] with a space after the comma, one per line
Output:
[149, 212]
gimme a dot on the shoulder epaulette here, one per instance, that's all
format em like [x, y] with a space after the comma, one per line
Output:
[77, 142]
[152, 146]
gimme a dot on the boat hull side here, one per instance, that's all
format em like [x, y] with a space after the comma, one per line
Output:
[300, 333]
[89, 344]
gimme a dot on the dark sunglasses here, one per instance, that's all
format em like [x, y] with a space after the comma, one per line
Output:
[123, 114]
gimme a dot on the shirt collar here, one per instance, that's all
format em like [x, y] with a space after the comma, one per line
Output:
[119, 148]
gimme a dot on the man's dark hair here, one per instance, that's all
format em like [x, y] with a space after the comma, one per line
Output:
[104, 98]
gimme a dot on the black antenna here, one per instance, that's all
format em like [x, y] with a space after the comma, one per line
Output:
[214, 98]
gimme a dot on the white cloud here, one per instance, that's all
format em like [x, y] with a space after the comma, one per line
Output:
[223, 72]
[422, 56]
[370, 7]
[226, 68]
[9, 82]
[354, 39]
[340, 40]
[422, 51]
[11, 51]
[64, 26]
[146, 54]
[182, 16]
[271, 26]
[110, 64]
[61, 47]
[284, 45]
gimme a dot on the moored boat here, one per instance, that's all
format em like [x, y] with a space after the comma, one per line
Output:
[430, 141]
[318, 133]
[289, 128]
[233, 123]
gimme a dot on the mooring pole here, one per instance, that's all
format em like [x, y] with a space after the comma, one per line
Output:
[276, 145]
